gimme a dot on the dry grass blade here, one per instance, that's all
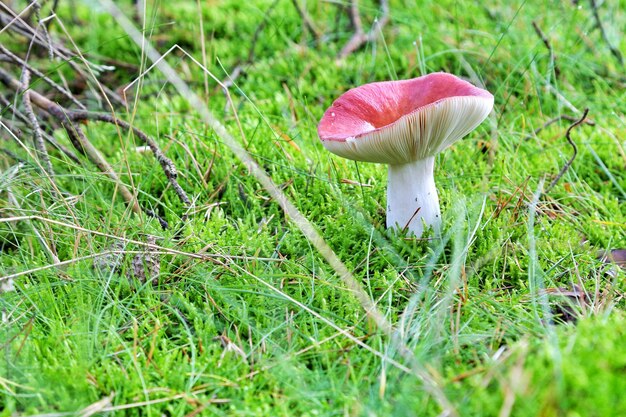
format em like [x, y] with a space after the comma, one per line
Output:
[288, 207]
[112, 408]
[98, 406]
[290, 210]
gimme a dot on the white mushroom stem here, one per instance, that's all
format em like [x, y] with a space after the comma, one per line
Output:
[412, 199]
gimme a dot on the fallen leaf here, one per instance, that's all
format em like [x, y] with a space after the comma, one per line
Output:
[616, 256]
[572, 297]
[612, 258]
[147, 265]
[110, 261]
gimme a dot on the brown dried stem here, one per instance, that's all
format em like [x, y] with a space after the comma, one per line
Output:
[557, 119]
[308, 23]
[9, 20]
[169, 169]
[596, 15]
[575, 149]
[360, 38]
[546, 42]
[40, 144]
[19, 61]
[51, 140]
[68, 120]
[242, 66]
[70, 117]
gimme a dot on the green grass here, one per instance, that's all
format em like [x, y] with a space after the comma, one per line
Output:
[470, 309]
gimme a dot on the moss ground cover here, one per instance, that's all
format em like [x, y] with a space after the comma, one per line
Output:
[261, 324]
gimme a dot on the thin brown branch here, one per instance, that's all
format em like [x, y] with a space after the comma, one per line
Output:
[596, 15]
[68, 119]
[40, 144]
[548, 45]
[360, 38]
[167, 165]
[50, 139]
[575, 149]
[557, 119]
[79, 139]
[9, 20]
[19, 61]
[308, 23]
[242, 66]
[37, 10]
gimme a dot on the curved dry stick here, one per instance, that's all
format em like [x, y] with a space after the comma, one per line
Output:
[548, 45]
[169, 169]
[556, 119]
[571, 142]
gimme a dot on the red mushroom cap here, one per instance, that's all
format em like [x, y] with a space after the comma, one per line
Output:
[398, 122]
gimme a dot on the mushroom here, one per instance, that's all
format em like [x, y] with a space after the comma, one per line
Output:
[405, 124]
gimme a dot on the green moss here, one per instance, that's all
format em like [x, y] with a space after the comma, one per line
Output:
[246, 317]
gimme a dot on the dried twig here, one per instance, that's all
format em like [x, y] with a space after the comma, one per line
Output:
[546, 42]
[169, 169]
[557, 119]
[242, 66]
[69, 117]
[9, 20]
[19, 61]
[360, 38]
[50, 139]
[83, 145]
[571, 142]
[308, 23]
[37, 12]
[40, 144]
[616, 53]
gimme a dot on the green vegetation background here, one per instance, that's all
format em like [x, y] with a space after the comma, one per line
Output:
[255, 332]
